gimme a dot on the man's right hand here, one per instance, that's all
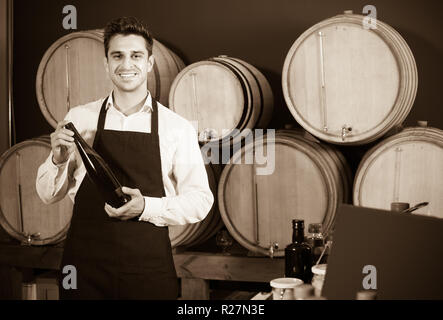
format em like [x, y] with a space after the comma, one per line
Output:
[62, 143]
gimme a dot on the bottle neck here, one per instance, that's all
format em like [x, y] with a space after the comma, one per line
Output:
[298, 235]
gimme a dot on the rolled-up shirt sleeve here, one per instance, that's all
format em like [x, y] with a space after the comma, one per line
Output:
[193, 199]
[52, 181]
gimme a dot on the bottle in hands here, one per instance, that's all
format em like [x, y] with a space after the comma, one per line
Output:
[99, 171]
[298, 259]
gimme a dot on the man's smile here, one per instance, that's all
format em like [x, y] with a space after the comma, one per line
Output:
[127, 75]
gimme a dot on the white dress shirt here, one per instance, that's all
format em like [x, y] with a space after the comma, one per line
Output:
[188, 196]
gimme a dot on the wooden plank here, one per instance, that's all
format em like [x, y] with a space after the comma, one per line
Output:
[194, 289]
[232, 268]
[200, 265]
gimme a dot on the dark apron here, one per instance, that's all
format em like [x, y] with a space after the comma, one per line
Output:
[118, 259]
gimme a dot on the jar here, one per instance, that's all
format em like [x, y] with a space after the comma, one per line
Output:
[318, 278]
[366, 295]
[283, 288]
[303, 292]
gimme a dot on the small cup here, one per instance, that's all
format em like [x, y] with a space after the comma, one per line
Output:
[319, 273]
[283, 288]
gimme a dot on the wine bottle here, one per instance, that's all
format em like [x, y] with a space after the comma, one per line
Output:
[298, 254]
[99, 172]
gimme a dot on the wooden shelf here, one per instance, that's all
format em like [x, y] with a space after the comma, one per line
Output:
[224, 267]
[195, 269]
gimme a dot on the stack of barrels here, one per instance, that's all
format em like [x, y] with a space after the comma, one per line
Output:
[349, 84]
[226, 98]
[346, 83]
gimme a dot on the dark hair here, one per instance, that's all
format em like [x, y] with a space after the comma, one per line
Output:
[126, 26]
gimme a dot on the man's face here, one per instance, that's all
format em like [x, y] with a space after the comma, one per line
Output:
[128, 62]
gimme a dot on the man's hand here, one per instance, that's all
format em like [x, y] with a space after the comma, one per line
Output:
[131, 209]
[62, 143]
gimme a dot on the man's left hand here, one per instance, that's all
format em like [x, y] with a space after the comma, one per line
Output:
[131, 209]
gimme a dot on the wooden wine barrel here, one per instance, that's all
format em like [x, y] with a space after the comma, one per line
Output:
[406, 167]
[72, 73]
[349, 85]
[309, 181]
[195, 233]
[22, 213]
[222, 94]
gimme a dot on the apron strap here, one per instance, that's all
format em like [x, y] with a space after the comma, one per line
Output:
[100, 123]
[154, 119]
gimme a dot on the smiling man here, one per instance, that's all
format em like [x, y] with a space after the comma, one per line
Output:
[125, 253]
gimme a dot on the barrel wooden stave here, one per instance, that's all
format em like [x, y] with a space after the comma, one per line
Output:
[370, 80]
[267, 97]
[257, 210]
[166, 68]
[72, 66]
[222, 94]
[193, 96]
[18, 171]
[405, 167]
[261, 96]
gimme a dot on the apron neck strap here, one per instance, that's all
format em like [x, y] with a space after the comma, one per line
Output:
[101, 122]
[154, 119]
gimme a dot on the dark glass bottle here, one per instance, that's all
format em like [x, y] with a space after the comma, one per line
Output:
[99, 172]
[298, 254]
